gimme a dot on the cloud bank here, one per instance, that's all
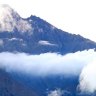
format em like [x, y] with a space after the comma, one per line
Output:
[88, 78]
[46, 64]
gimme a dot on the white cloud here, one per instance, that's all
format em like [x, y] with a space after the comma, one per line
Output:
[88, 78]
[46, 64]
[42, 42]
[56, 92]
[12, 39]
[23, 26]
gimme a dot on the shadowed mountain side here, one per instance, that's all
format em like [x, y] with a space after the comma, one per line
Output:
[35, 36]
[10, 87]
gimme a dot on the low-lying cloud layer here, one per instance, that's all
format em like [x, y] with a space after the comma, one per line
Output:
[46, 64]
[54, 64]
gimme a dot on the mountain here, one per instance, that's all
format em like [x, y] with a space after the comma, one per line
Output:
[10, 87]
[35, 36]
[12, 84]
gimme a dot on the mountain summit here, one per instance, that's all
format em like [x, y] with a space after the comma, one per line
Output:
[35, 36]
[10, 20]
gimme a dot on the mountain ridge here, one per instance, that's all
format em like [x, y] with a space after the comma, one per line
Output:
[35, 36]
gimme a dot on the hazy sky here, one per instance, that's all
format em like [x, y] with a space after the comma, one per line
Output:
[74, 16]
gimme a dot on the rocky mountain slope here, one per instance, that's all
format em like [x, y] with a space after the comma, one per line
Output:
[10, 87]
[35, 36]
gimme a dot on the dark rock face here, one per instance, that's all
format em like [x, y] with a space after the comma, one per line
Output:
[43, 38]
[44, 85]
[10, 87]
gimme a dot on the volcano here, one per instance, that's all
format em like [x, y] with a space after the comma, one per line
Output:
[35, 36]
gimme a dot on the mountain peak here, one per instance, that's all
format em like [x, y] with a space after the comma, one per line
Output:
[7, 12]
[10, 20]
